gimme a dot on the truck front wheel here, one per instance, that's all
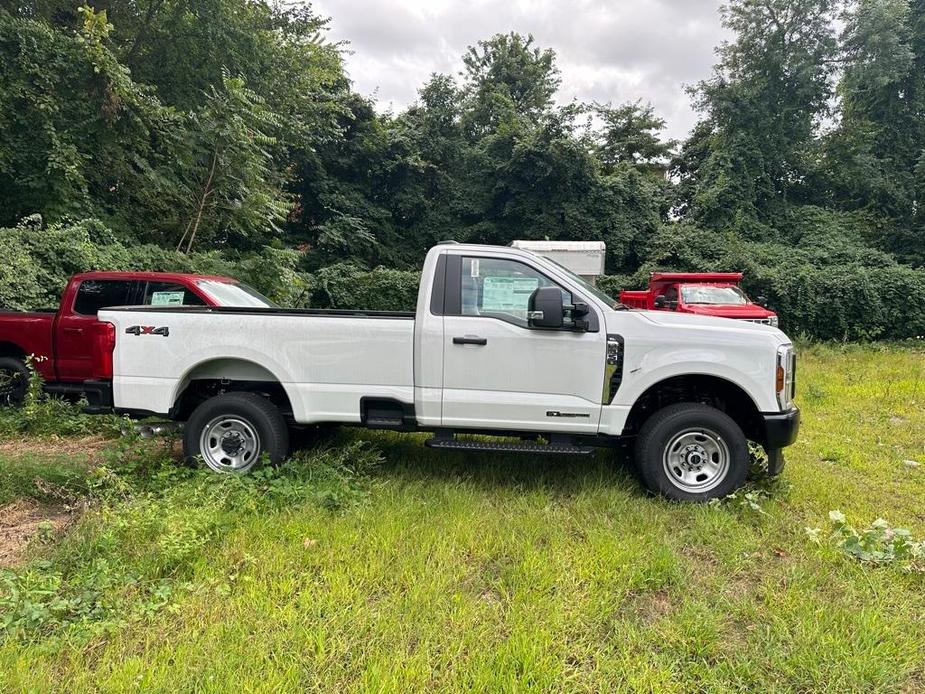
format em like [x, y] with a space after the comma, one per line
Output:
[233, 431]
[691, 452]
[14, 381]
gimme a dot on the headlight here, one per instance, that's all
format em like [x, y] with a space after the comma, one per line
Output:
[785, 376]
[773, 321]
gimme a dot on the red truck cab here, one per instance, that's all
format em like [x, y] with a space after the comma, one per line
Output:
[704, 293]
[73, 350]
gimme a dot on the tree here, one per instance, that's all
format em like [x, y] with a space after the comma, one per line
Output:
[630, 134]
[79, 137]
[234, 191]
[117, 119]
[763, 104]
[507, 79]
[873, 160]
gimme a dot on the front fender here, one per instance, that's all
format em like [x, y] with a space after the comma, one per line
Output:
[752, 372]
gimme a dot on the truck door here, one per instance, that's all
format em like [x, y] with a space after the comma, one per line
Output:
[498, 372]
[74, 338]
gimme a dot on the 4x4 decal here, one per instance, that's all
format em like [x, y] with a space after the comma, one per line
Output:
[147, 330]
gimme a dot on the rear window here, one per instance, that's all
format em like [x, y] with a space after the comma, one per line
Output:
[93, 295]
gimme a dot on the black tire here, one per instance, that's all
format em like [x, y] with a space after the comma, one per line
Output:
[14, 381]
[255, 428]
[691, 452]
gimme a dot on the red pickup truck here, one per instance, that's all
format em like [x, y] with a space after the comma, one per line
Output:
[705, 293]
[73, 349]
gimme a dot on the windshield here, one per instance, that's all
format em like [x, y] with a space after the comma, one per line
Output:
[584, 284]
[234, 294]
[705, 294]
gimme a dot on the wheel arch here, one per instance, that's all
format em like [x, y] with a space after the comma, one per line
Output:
[11, 349]
[224, 375]
[709, 389]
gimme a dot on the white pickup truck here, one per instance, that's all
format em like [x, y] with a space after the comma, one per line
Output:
[504, 343]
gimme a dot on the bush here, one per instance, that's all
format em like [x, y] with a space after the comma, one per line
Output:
[350, 287]
[832, 290]
[40, 260]
[848, 302]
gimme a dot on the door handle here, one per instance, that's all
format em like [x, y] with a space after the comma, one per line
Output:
[470, 340]
[73, 331]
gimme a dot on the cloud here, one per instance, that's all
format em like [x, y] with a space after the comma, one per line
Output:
[607, 51]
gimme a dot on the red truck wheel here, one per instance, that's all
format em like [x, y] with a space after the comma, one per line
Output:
[14, 381]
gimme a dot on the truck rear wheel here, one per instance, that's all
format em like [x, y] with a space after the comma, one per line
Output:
[691, 452]
[231, 432]
[14, 381]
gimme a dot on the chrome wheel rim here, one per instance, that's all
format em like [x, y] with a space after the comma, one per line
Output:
[696, 460]
[229, 444]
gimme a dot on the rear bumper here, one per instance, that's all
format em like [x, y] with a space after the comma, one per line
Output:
[97, 393]
[780, 428]
[99, 396]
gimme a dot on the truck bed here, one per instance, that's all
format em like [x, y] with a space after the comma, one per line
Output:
[635, 299]
[30, 332]
[326, 360]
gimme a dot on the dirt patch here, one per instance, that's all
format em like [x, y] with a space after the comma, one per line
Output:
[24, 519]
[648, 607]
[703, 556]
[88, 446]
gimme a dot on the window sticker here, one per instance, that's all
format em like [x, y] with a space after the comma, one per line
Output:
[167, 298]
[507, 293]
[474, 267]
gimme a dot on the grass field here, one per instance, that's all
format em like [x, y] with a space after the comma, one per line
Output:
[372, 563]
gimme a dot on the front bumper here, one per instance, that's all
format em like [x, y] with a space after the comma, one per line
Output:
[780, 429]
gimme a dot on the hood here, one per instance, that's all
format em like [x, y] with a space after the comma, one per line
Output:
[671, 319]
[752, 311]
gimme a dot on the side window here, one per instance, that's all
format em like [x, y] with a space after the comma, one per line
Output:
[92, 295]
[500, 288]
[169, 294]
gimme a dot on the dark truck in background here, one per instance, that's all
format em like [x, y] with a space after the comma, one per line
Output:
[72, 350]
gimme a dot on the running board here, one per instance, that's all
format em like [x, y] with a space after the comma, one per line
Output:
[508, 447]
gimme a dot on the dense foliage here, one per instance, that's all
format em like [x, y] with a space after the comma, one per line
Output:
[224, 135]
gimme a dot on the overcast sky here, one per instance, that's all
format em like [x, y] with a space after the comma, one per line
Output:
[613, 51]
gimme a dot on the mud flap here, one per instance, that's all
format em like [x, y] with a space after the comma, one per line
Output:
[776, 461]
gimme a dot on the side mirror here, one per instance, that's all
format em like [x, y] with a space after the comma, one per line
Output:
[545, 309]
[762, 301]
[661, 301]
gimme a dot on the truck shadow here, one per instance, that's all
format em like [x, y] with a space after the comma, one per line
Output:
[406, 459]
